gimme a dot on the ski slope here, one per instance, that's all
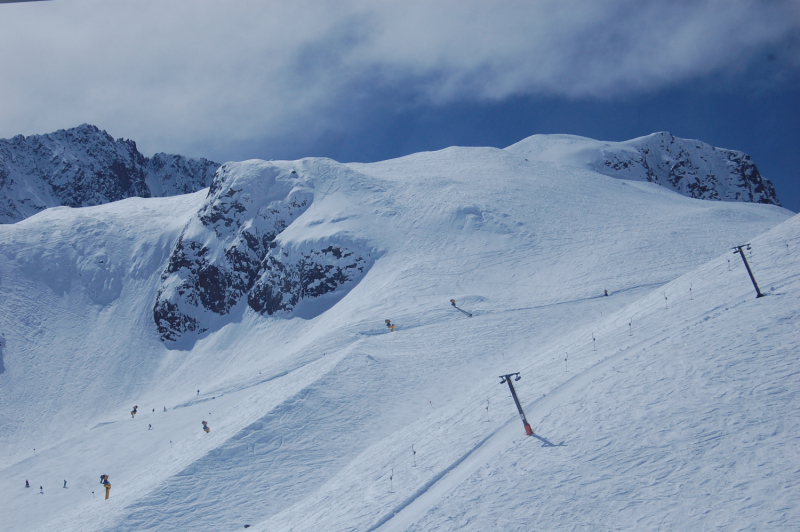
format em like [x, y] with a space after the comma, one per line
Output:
[681, 420]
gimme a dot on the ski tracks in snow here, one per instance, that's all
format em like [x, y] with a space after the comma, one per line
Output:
[413, 508]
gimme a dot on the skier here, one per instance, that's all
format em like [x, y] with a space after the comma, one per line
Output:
[165, 409]
[453, 302]
[149, 427]
[41, 490]
[206, 427]
[606, 292]
[134, 411]
[65, 483]
[27, 485]
[198, 392]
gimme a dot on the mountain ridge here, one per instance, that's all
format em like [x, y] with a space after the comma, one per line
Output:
[84, 166]
[689, 167]
[323, 419]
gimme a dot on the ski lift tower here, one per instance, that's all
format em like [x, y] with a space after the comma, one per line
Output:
[740, 251]
[507, 378]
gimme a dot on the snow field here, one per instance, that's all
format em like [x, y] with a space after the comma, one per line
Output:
[309, 416]
[622, 438]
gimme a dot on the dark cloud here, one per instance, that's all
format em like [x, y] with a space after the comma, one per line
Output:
[184, 75]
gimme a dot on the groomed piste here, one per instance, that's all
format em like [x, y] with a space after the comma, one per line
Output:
[671, 403]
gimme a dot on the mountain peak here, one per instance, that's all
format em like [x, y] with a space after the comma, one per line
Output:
[689, 167]
[85, 166]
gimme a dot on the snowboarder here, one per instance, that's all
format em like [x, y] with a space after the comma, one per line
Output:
[27, 485]
[389, 325]
[206, 427]
[65, 484]
[134, 411]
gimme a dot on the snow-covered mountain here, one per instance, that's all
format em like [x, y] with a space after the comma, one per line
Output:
[689, 167]
[229, 253]
[258, 305]
[85, 166]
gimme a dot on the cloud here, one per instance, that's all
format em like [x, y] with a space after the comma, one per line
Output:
[187, 75]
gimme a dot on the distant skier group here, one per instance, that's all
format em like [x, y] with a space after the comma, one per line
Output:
[104, 478]
[41, 488]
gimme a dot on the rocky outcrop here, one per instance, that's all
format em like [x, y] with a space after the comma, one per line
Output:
[84, 166]
[229, 256]
[290, 277]
[689, 167]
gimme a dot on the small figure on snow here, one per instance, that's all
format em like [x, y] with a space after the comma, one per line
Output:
[389, 325]
[103, 478]
[606, 292]
[134, 411]
[65, 484]
[198, 392]
[206, 427]
[149, 426]
[453, 302]
[27, 485]
[165, 409]
[41, 490]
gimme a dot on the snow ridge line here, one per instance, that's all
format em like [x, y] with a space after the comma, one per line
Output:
[253, 383]
[589, 298]
[431, 482]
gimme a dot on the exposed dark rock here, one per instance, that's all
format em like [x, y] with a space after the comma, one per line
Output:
[84, 166]
[286, 281]
[689, 167]
[692, 168]
[229, 257]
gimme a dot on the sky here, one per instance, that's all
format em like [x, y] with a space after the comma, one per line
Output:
[363, 81]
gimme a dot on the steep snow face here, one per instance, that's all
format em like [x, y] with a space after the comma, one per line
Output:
[85, 166]
[231, 253]
[689, 167]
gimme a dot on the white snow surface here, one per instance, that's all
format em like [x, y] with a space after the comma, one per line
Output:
[681, 415]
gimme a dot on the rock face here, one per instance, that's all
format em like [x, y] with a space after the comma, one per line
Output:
[689, 167]
[290, 277]
[230, 256]
[85, 166]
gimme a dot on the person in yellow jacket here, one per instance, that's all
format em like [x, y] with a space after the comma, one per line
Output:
[206, 427]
